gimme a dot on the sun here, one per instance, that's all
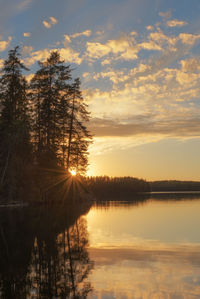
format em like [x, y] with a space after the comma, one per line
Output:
[73, 172]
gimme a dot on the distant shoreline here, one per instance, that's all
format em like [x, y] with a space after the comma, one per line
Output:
[173, 185]
[167, 192]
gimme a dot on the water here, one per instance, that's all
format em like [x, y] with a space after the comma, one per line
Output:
[149, 250]
[145, 248]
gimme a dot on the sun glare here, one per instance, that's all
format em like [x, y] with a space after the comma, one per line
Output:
[73, 172]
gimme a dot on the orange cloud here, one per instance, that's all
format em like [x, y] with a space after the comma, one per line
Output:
[189, 39]
[27, 34]
[5, 44]
[122, 48]
[67, 53]
[49, 24]
[176, 23]
[151, 45]
[84, 33]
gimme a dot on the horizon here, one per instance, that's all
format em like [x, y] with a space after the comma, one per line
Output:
[139, 65]
[140, 178]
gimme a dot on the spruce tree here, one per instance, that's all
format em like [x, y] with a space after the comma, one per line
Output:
[60, 134]
[79, 137]
[49, 90]
[15, 149]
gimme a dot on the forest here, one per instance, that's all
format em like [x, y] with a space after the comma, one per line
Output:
[116, 187]
[43, 127]
[174, 185]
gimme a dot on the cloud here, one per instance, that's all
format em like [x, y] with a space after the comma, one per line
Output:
[186, 78]
[191, 65]
[151, 45]
[23, 5]
[97, 50]
[49, 24]
[165, 15]
[106, 61]
[53, 20]
[68, 54]
[46, 24]
[176, 23]
[188, 38]
[27, 50]
[84, 33]
[141, 68]
[113, 75]
[160, 38]
[141, 125]
[40, 55]
[128, 46]
[106, 144]
[5, 44]
[100, 32]
[68, 38]
[121, 48]
[150, 27]
[27, 34]
[153, 98]
[150, 99]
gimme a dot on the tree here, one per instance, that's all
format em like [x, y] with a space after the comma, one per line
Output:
[49, 91]
[42, 125]
[15, 148]
[79, 137]
[60, 134]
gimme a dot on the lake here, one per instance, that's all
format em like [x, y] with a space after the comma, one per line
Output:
[145, 248]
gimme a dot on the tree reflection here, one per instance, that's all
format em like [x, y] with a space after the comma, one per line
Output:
[52, 262]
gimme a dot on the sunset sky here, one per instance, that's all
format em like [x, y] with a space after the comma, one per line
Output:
[139, 63]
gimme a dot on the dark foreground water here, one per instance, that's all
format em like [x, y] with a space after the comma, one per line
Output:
[134, 249]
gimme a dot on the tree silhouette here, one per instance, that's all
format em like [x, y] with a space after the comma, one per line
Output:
[15, 148]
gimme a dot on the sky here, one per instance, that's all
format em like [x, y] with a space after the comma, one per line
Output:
[139, 64]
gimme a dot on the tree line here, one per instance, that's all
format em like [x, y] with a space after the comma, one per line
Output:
[116, 186]
[174, 185]
[43, 123]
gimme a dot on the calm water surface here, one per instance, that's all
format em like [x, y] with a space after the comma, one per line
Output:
[145, 248]
[148, 250]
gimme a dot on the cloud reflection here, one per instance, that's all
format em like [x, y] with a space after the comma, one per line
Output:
[147, 273]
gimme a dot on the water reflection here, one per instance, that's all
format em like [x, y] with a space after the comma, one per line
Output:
[164, 273]
[146, 250]
[142, 198]
[44, 254]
